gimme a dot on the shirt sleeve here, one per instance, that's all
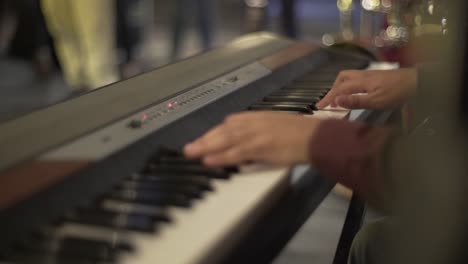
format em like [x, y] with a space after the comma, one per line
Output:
[351, 154]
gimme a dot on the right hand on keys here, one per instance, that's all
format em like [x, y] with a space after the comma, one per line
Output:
[375, 89]
[277, 138]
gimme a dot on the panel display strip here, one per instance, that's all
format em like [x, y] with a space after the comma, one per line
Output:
[110, 139]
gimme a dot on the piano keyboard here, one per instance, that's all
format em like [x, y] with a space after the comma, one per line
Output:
[102, 190]
[301, 95]
[148, 214]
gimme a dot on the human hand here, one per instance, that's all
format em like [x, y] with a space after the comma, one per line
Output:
[280, 139]
[383, 89]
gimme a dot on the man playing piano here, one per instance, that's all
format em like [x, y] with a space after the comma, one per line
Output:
[349, 153]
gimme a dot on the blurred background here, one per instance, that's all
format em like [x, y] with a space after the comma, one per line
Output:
[53, 49]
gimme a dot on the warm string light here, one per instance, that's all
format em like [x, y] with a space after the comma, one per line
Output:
[256, 3]
[345, 5]
[371, 5]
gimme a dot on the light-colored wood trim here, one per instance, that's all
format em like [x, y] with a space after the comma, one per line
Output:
[22, 182]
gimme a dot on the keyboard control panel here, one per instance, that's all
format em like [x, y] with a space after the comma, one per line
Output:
[101, 143]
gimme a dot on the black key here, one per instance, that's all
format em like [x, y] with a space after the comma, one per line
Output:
[187, 190]
[166, 152]
[282, 107]
[49, 258]
[106, 218]
[70, 249]
[299, 92]
[200, 181]
[177, 161]
[317, 90]
[311, 106]
[45, 258]
[37, 244]
[302, 90]
[133, 208]
[35, 251]
[287, 98]
[296, 93]
[219, 173]
[307, 88]
[231, 169]
[310, 85]
[91, 249]
[151, 198]
[363, 64]
[281, 111]
[165, 155]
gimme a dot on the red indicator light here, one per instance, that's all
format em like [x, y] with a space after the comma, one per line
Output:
[175, 102]
[169, 105]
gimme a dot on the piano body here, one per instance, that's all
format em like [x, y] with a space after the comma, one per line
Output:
[88, 181]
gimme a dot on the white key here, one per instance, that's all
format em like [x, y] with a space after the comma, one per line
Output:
[326, 114]
[214, 224]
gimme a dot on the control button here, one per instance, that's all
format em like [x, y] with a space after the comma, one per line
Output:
[135, 124]
[233, 79]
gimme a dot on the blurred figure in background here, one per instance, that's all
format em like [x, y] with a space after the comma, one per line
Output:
[129, 35]
[256, 15]
[183, 10]
[289, 18]
[259, 13]
[24, 36]
[83, 33]
[6, 26]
